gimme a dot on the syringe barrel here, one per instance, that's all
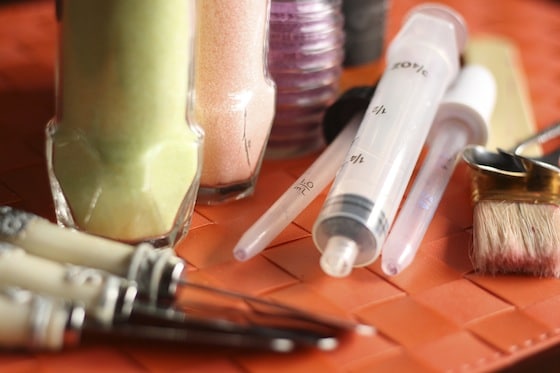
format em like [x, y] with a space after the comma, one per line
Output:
[422, 61]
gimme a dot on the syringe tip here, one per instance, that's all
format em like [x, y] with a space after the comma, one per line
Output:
[339, 256]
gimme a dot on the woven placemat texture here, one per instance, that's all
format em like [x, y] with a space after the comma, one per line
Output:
[436, 316]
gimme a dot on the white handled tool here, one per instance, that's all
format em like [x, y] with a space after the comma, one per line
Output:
[32, 321]
[105, 297]
[155, 271]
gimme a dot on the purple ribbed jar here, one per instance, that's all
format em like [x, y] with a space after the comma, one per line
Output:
[306, 51]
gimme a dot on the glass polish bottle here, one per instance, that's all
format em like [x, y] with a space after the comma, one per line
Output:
[122, 150]
[234, 101]
[305, 61]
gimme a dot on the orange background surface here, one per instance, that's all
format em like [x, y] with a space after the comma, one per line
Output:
[436, 316]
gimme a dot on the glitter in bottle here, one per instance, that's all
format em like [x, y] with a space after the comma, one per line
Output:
[305, 59]
[123, 161]
[234, 101]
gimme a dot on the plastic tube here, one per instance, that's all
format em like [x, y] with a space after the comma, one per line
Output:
[462, 119]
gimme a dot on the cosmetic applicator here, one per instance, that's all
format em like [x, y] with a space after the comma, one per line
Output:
[148, 281]
[112, 308]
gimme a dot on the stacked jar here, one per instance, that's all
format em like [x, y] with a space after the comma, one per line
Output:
[306, 51]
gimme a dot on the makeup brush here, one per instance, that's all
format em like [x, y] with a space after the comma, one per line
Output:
[515, 216]
[516, 212]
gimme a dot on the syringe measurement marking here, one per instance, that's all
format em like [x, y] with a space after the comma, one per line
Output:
[303, 186]
[379, 109]
[359, 158]
[419, 68]
[355, 159]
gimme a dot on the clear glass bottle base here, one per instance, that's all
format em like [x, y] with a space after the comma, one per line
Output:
[226, 193]
[65, 216]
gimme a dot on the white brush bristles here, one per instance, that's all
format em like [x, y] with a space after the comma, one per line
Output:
[516, 237]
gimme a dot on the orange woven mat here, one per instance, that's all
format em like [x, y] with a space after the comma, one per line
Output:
[436, 316]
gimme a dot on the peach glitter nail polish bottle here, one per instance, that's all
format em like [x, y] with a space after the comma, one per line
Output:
[234, 95]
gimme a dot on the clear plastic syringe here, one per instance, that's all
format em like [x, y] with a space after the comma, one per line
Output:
[422, 61]
[462, 119]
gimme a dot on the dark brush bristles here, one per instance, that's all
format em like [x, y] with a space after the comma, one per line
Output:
[516, 237]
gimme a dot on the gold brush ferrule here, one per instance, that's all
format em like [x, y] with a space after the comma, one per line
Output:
[542, 179]
[510, 177]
